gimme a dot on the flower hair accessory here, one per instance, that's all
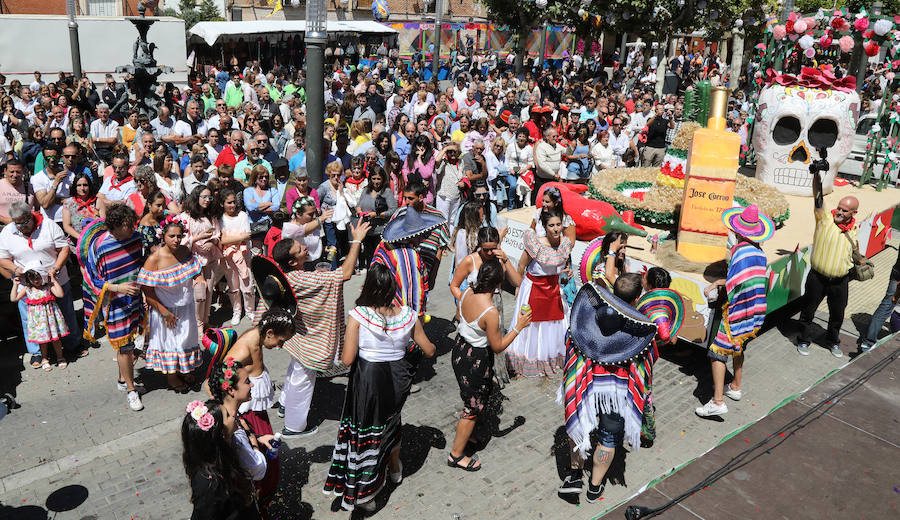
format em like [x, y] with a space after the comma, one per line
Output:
[200, 413]
[229, 375]
[171, 219]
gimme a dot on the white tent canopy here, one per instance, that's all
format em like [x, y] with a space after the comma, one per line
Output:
[211, 32]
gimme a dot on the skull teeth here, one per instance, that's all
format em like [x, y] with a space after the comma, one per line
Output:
[793, 177]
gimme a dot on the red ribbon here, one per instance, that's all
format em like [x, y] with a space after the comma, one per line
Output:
[38, 219]
[118, 186]
[812, 78]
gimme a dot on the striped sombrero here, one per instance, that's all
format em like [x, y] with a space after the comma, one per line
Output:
[665, 308]
[217, 342]
[749, 223]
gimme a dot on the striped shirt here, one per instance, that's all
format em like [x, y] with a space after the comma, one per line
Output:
[745, 309]
[114, 262]
[831, 251]
[320, 318]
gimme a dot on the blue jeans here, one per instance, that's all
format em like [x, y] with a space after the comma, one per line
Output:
[612, 430]
[509, 180]
[881, 314]
[337, 238]
[70, 342]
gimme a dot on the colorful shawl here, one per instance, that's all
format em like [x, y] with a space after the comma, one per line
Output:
[107, 261]
[320, 318]
[407, 266]
[590, 388]
[744, 312]
[171, 276]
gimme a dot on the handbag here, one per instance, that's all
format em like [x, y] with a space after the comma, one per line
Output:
[863, 269]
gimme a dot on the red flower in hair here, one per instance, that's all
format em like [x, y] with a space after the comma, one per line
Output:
[228, 373]
[229, 362]
[225, 385]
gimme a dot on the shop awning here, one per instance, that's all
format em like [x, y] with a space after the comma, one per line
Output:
[212, 32]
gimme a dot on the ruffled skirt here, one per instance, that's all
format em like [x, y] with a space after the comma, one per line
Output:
[540, 349]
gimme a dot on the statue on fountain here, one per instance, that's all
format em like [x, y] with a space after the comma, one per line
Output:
[144, 69]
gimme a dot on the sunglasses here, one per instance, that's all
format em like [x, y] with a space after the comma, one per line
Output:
[70, 155]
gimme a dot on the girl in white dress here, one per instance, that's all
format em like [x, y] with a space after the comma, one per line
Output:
[540, 349]
[236, 255]
[167, 280]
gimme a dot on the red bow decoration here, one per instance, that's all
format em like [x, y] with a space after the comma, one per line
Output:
[812, 78]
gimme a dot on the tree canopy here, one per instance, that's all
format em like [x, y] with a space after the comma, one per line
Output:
[191, 13]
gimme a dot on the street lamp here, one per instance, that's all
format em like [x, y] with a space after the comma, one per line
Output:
[438, 22]
[73, 41]
[316, 36]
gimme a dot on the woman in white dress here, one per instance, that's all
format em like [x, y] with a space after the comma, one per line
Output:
[167, 280]
[551, 201]
[540, 349]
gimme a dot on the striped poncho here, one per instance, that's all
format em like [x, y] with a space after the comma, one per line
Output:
[320, 318]
[408, 268]
[589, 389]
[744, 312]
[107, 261]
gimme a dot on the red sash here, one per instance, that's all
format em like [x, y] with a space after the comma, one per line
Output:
[545, 298]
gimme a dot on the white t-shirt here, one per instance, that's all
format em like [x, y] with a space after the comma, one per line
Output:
[119, 193]
[183, 129]
[42, 182]
[41, 254]
[5, 148]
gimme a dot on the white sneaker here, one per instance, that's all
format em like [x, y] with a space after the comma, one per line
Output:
[123, 387]
[710, 409]
[134, 401]
[235, 319]
[734, 395]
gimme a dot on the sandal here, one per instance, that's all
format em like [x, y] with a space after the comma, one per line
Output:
[46, 365]
[35, 361]
[62, 364]
[453, 462]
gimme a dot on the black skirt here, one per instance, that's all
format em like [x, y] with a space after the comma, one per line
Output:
[369, 429]
[474, 369]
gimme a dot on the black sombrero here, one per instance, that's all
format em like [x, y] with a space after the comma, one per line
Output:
[272, 285]
[410, 225]
[606, 329]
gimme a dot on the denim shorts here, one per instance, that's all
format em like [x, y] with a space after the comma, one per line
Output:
[612, 430]
[127, 347]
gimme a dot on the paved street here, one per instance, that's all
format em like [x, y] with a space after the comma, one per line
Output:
[74, 448]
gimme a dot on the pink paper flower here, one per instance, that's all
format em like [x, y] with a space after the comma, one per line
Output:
[826, 40]
[809, 53]
[193, 405]
[800, 26]
[861, 24]
[846, 43]
[779, 32]
[206, 422]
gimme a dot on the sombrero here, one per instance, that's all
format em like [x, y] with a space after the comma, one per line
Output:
[590, 258]
[606, 329]
[665, 308]
[749, 223]
[410, 225]
[217, 342]
[272, 284]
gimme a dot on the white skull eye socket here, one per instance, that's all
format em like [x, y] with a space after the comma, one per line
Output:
[823, 133]
[787, 130]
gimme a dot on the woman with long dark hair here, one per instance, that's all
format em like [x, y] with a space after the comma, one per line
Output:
[552, 202]
[149, 225]
[168, 177]
[202, 219]
[376, 205]
[81, 208]
[473, 355]
[378, 336]
[220, 488]
[612, 259]
[419, 165]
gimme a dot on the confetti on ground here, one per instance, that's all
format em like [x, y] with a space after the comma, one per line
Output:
[747, 440]
[782, 434]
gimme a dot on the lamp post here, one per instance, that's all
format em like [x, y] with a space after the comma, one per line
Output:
[438, 22]
[316, 36]
[73, 40]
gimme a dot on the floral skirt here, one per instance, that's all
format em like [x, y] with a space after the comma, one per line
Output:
[474, 370]
[369, 429]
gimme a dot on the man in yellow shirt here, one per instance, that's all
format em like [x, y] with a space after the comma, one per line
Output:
[831, 261]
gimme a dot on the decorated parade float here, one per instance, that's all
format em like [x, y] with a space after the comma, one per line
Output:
[802, 118]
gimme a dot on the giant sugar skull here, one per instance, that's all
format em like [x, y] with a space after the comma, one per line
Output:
[793, 123]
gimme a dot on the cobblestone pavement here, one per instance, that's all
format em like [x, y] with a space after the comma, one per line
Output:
[74, 449]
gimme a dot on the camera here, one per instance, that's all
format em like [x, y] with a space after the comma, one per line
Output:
[820, 165]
